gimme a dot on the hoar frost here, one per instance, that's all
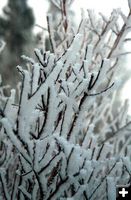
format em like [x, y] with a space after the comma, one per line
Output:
[63, 139]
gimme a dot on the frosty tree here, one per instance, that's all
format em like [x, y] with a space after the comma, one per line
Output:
[62, 140]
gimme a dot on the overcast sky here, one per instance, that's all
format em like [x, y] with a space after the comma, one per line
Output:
[40, 7]
[105, 6]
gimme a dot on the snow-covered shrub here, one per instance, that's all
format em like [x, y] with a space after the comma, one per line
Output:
[63, 140]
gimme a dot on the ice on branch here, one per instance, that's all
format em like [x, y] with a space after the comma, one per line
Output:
[64, 139]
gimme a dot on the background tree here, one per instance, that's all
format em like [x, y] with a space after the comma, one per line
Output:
[16, 30]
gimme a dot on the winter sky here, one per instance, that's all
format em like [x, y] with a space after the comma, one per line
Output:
[40, 8]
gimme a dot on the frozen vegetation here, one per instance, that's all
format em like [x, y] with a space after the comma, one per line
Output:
[64, 139]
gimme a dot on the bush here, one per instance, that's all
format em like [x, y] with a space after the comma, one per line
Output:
[63, 140]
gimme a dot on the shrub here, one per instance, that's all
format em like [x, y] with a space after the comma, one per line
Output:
[63, 140]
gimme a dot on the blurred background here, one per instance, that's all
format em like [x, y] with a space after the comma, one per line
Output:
[23, 25]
